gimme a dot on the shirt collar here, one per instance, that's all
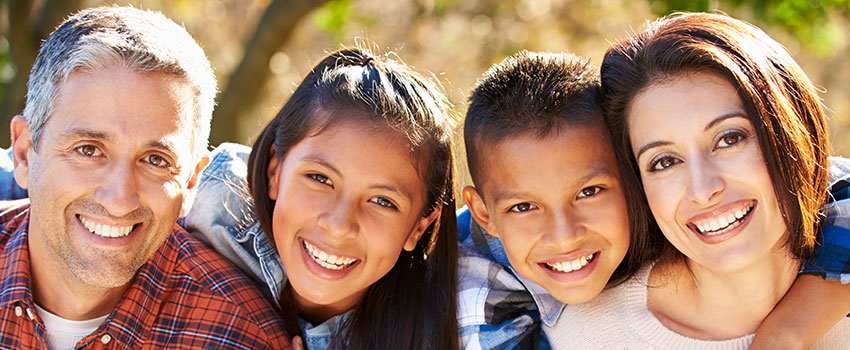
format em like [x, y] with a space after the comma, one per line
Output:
[15, 283]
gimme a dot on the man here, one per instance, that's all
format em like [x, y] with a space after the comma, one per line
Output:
[110, 145]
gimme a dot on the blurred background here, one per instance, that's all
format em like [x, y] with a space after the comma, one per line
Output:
[261, 49]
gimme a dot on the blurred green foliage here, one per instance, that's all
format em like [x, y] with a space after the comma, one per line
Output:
[807, 20]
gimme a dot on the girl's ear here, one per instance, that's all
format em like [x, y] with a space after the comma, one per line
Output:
[272, 173]
[420, 228]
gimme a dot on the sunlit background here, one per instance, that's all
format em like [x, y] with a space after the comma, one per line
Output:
[262, 48]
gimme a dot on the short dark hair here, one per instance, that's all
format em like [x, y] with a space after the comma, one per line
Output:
[780, 101]
[528, 93]
[537, 94]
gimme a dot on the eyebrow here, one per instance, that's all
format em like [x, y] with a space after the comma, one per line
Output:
[710, 125]
[595, 172]
[85, 133]
[387, 187]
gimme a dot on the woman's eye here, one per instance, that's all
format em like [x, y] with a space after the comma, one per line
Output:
[157, 161]
[383, 202]
[522, 207]
[589, 191]
[321, 179]
[87, 151]
[730, 139]
[662, 163]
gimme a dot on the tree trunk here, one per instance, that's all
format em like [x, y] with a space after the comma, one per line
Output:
[248, 79]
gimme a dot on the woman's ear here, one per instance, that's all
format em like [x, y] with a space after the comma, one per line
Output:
[420, 228]
[272, 173]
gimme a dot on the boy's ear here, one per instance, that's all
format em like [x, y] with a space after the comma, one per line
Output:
[421, 225]
[21, 146]
[272, 174]
[478, 210]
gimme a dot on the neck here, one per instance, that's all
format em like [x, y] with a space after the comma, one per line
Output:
[702, 303]
[319, 313]
[58, 291]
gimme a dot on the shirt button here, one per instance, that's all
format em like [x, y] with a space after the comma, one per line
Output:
[106, 338]
[29, 313]
[19, 311]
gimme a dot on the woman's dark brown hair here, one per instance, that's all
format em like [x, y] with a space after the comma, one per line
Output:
[413, 305]
[778, 98]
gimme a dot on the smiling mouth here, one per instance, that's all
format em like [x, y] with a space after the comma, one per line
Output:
[328, 261]
[574, 265]
[724, 223]
[104, 230]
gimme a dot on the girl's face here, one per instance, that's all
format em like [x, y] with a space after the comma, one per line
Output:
[703, 172]
[348, 200]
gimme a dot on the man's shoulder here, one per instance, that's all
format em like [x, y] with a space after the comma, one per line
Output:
[215, 294]
[12, 214]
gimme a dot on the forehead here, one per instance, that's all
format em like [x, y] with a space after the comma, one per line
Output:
[126, 107]
[565, 156]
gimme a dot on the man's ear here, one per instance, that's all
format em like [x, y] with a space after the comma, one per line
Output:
[21, 146]
[273, 174]
[421, 226]
[478, 210]
[192, 183]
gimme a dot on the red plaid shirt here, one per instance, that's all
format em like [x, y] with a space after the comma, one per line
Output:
[185, 297]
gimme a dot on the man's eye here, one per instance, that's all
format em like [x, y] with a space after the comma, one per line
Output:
[589, 191]
[87, 151]
[321, 179]
[522, 207]
[383, 202]
[157, 161]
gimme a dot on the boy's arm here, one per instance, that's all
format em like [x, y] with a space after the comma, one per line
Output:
[820, 297]
[811, 307]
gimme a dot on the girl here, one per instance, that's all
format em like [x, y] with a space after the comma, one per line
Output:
[352, 189]
[728, 140]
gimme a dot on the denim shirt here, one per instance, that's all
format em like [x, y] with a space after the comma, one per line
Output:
[223, 217]
[9, 188]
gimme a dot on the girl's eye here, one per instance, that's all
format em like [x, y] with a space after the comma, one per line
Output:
[322, 179]
[157, 161]
[522, 207]
[730, 139]
[662, 163]
[386, 203]
[87, 151]
[589, 191]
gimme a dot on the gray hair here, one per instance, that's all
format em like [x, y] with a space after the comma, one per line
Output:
[143, 41]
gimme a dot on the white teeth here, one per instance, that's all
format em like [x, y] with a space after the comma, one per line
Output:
[716, 226]
[574, 265]
[328, 261]
[106, 230]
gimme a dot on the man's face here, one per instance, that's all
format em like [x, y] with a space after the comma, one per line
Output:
[108, 180]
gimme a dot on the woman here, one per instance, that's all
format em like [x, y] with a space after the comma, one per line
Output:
[728, 139]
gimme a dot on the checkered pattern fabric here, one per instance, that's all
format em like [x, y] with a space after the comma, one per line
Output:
[185, 297]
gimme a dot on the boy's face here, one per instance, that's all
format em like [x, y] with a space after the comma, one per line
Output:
[557, 205]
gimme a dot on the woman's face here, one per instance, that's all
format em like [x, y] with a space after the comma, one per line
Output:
[348, 200]
[703, 172]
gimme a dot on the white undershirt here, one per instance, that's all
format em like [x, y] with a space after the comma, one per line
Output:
[61, 333]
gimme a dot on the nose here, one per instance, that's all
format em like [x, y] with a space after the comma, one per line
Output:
[340, 219]
[706, 184]
[566, 228]
[118, 191]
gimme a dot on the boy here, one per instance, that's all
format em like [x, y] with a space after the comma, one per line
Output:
[547, 222]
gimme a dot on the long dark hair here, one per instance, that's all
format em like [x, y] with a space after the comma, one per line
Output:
[413, 305]
[780, 101]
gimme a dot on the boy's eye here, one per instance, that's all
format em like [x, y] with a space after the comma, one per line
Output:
[157, 161]
[522, 207]
[321, 179]
[589, 191]
[383, 202]
[662, 163]
[88, 150]
[731, 138]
